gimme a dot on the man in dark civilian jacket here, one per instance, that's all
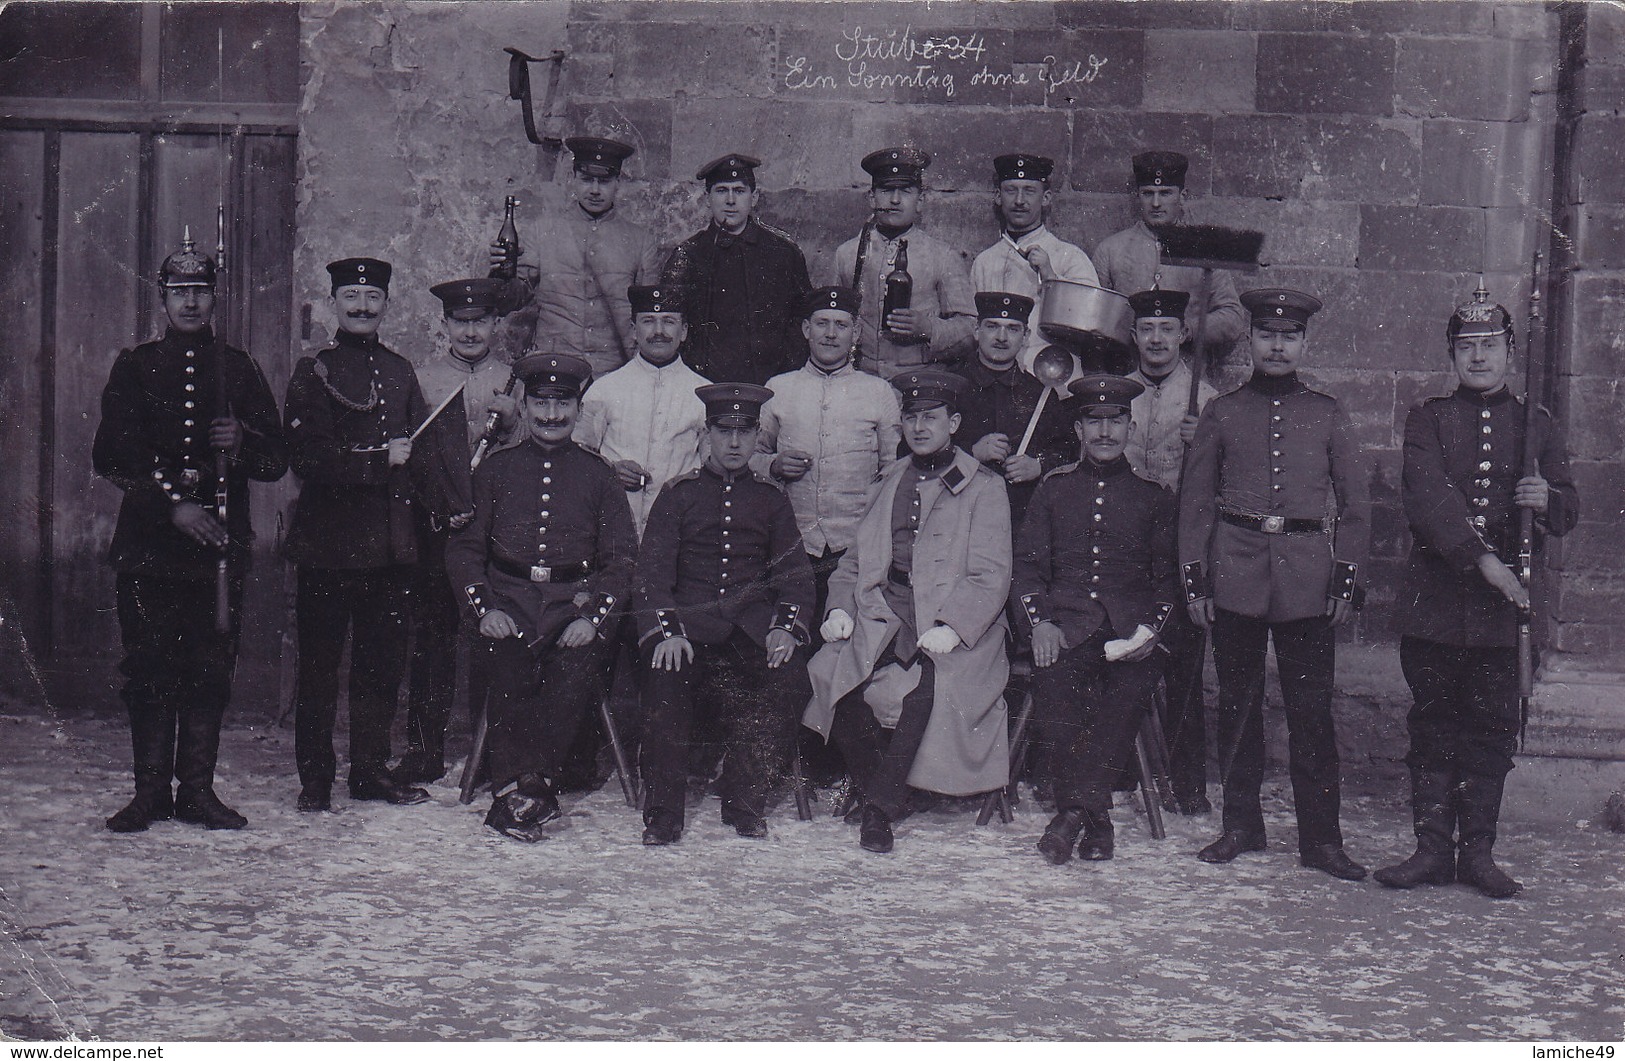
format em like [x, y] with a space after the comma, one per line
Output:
[744, 282]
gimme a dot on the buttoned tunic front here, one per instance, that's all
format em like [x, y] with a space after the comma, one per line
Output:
[648, 414]
[153, 443]
[942, 299]
[1097, 548]
[1463, 458]
[721, 552]
[551, 507]
[343, 407]
[850, 423]
[1275, 448]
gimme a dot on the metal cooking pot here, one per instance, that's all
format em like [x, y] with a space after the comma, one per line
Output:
[1077, 314]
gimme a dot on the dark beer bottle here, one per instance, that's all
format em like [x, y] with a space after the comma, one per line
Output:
[508, 240]
[899, 284]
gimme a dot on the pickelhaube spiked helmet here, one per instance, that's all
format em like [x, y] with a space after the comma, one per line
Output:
[187, 267]
[1479, 317]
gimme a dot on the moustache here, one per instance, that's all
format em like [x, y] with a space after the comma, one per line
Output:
[360, 314]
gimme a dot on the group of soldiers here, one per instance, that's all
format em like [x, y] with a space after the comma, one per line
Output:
[745, 509]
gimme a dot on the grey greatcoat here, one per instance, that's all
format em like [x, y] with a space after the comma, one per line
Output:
[960, 577]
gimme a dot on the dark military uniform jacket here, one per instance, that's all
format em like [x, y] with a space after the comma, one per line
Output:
[344, 405]
[551, 540]
[1097, 547]
[1274, 506]
[1463, 457]
[722, 552]
[744, 297]
[1004, 402]
[153, 442]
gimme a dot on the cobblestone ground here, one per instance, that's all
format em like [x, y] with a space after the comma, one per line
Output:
[382, 923]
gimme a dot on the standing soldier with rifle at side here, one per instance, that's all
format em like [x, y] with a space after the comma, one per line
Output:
[187, 421]
[1477, 462]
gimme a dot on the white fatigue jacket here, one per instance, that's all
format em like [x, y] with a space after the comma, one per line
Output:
[1155, 450]
[649, 415]
[942, 297]
[1003, 268]
[849, 422]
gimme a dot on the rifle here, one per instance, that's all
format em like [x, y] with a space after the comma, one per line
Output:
[1526, 516]
[222, 463]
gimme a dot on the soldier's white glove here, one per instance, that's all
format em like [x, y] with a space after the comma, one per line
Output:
[939, 640]
[838, 627]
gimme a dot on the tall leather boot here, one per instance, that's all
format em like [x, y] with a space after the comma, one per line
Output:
[1435, 816]
[1478, 804]
[196, 753]
[152, 742]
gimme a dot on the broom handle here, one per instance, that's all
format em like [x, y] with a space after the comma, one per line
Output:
[1199, 362]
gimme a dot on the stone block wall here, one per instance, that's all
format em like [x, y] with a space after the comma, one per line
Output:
[1591, 592]
[1389, 150]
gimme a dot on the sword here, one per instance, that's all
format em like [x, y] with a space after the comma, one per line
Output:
[413, 437]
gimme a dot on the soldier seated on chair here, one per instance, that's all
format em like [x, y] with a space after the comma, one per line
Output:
[1094, 577]
[724, 591]
[911, 677]
[545, 563]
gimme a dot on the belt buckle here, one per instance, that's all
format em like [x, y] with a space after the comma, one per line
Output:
[1274, 524]
[541, 573]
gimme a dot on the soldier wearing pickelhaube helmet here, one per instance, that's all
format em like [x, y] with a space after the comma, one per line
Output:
[1463, 492]
[170, 407]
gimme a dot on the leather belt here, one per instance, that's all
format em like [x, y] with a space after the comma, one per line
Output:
[898, 577]
[541, 572]
[1273, 524]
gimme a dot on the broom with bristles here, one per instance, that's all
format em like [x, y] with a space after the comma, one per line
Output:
[1207, 247]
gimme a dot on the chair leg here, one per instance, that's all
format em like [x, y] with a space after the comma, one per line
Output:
[799, 781]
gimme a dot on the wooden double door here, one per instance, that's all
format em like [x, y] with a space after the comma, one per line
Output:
[94, 192]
